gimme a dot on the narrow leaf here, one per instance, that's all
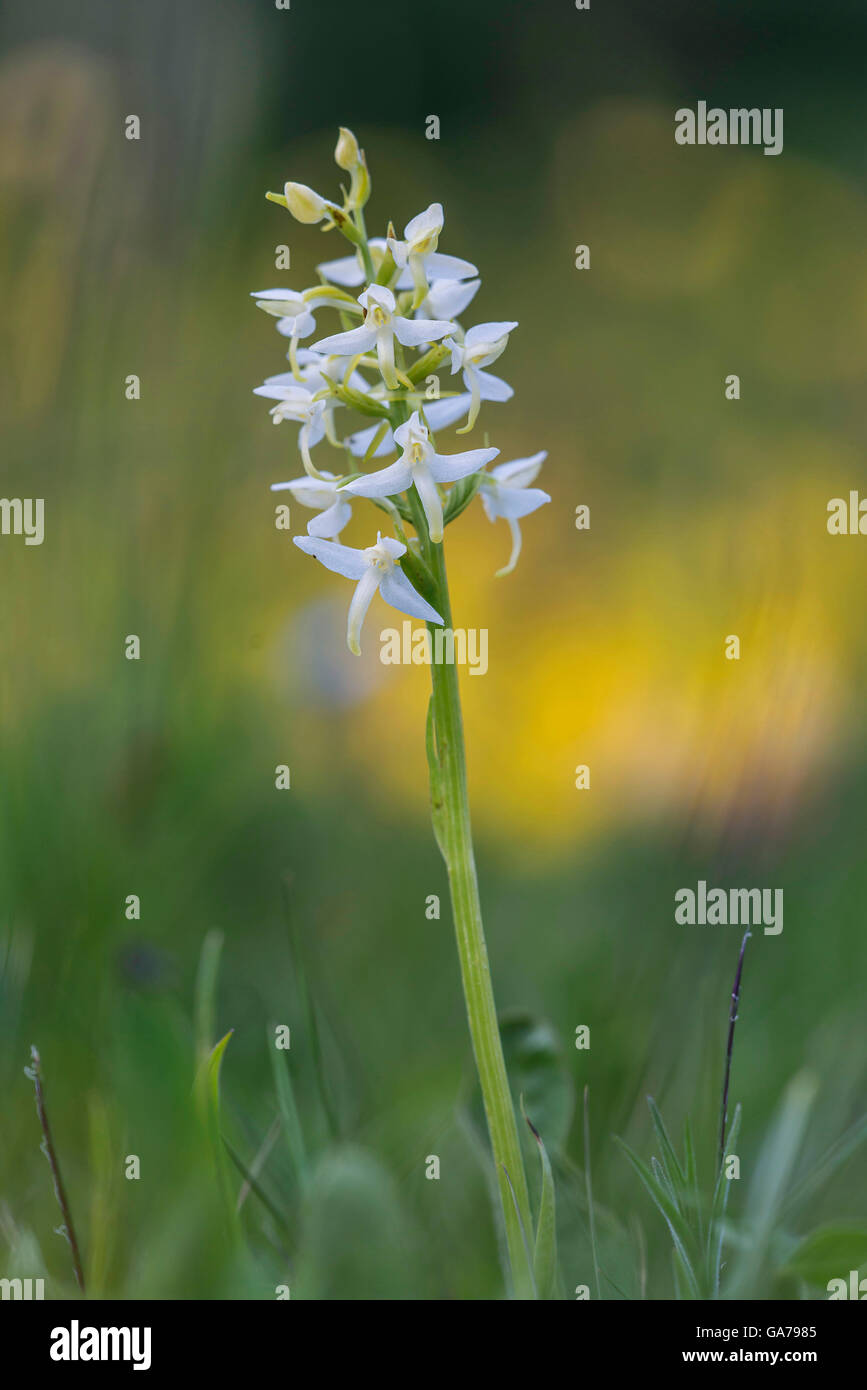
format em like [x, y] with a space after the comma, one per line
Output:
[545, 1249]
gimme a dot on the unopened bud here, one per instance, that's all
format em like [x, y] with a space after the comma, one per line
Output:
[304, 204]
[346, 151]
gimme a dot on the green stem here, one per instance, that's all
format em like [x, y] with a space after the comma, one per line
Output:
[450, 786]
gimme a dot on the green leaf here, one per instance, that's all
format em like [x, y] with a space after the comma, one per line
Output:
[461, 496]
[207, 1090]
[764, 1198]
[690, 1178]
[205, 1007]
[288, 1110]
[828, 1253]
[678, 1229]
[681, 1276]
[832, 1159]
[545, 1250]
[208, 1080]
[420, 577]
[256, 1188]
[670, 1161]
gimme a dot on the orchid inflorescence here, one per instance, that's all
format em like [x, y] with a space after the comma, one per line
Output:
[411, 296]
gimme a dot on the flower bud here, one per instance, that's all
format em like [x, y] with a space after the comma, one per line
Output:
[346, 151]
[304, 204]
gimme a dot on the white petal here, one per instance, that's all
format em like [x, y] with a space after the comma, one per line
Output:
[386, 483]
[377, 296]
[516, 549]
[413, 332]
[280, 302]
[513, 501]
[441, 414]
[397, 591]
[347, 271]
[520, 472]
[315, 428]
[448, 468]
[399, 253]
[310, 492]
[430, 501]
[342, 559]
[493, 388]
[404, 433]
[425, 224]
[457, 351]
[449, 298]
[488, 333]
[331, 522]
[272, 393]
[385, 356]
[300, 327]
[348, 344]
[391, 547]
[441, 267]
[367, 587]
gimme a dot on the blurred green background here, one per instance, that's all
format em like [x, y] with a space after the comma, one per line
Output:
[156, 777]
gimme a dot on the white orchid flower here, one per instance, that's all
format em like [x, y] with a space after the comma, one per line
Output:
[421, 467]
[320, 495]
[438, 414]
[374, 568]
[295, 315]
[314, 373]
[287, 305]
[380, 328]
[418, 253]
[482, 345]
[296, 403]
[506, 492]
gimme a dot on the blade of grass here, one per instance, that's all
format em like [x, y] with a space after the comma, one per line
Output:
[833, 1158]
[545, 1248]
[679, 1231]
[288, 1111]
[588, 1180]
[34, 1072]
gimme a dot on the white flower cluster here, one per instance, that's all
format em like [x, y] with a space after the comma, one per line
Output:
[410, 302]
